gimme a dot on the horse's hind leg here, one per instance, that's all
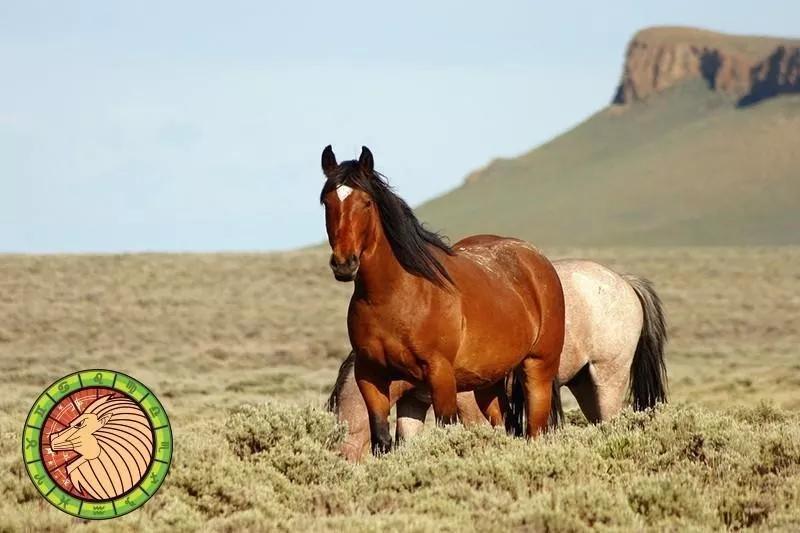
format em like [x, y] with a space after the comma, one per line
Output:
[468, 411]
[600, 391]
[611, 381]
[583, 387]
[493, 403]
[539, 374]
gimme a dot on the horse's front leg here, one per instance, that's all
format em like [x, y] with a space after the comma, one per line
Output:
[442, 381]
[373, 383]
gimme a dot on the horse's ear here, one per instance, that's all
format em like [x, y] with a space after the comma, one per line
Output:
[366, 162]
[104, 419]
[329, 163]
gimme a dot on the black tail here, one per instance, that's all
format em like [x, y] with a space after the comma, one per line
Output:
[515, 415]
[556, 409]
[648, 383]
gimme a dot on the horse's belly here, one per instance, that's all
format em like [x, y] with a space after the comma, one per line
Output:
[500, 325]
[468, 379]
[492, 345]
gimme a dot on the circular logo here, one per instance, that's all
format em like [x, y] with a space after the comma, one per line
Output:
[97, 444]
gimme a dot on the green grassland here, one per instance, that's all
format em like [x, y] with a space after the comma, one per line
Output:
[686, 167]
[242, 350]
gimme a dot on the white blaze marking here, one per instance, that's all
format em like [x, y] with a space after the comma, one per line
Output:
[343, 191]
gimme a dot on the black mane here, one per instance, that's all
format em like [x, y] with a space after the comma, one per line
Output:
[413, 245]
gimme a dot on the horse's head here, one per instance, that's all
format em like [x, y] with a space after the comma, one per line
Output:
[79, 436]
[350, 213]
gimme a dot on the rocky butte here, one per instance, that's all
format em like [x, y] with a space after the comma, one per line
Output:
[749, 69]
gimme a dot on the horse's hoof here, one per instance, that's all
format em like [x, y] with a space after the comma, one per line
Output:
[381, 448]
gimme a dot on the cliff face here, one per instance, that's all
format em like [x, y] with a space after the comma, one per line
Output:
[748, 69]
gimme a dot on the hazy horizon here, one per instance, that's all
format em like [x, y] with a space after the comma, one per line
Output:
[184, 127]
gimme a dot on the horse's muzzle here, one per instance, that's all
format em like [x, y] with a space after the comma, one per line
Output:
[344, 270]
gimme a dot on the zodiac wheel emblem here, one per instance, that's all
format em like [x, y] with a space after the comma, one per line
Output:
[97, 444]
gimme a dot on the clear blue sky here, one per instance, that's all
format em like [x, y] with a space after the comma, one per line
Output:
[198, 126]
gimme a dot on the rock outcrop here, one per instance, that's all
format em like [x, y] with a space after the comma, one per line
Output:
[748, 69]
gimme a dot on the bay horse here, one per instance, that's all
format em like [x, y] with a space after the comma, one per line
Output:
[454, 319]
[613, 348]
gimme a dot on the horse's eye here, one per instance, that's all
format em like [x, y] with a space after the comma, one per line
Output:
[368, 203]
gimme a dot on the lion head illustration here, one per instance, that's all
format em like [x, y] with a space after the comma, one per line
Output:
[114, 443]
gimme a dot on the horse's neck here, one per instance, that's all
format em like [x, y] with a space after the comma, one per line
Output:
[380, 275]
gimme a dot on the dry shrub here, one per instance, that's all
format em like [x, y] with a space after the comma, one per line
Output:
[212, 332]
[274, 466]
[678, 467]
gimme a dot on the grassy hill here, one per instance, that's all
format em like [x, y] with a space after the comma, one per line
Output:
[686, 165]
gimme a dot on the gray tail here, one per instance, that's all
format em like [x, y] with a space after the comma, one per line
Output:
[648, 383]
[515, 415]
[332, 404]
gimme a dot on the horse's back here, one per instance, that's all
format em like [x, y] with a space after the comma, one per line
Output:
[603, 317]
[514, 261]
[506, 266]
[504, 257]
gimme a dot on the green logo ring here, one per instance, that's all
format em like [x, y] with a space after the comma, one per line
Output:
[123, 454]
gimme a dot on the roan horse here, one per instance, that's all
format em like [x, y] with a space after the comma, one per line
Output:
[614, 346]
[453, 319]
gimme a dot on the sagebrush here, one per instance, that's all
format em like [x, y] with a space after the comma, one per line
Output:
[217, 336]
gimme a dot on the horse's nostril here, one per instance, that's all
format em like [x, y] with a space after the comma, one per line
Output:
[344, 268]
[350, 263]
